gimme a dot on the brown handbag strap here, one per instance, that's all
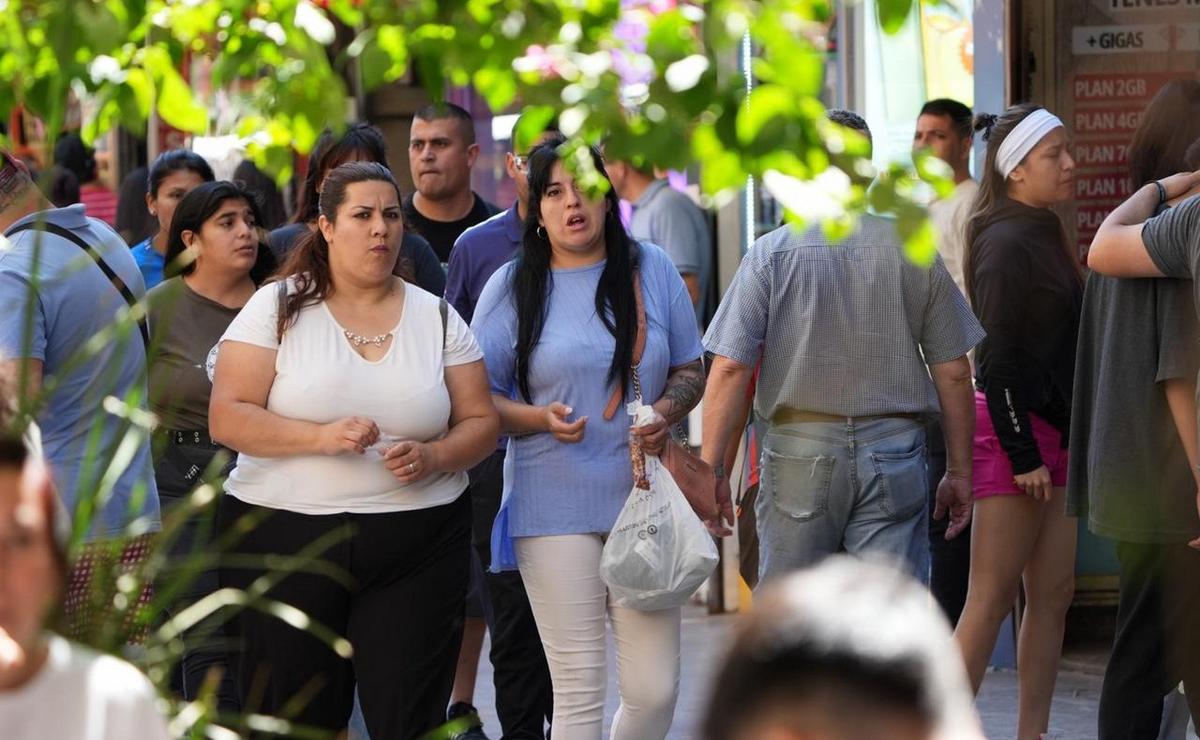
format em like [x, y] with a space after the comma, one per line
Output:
[639, 346]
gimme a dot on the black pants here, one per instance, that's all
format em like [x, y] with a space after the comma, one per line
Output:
[949, 560]
[1157, 643]
[178, 469]
[399, 601]
[524, 697]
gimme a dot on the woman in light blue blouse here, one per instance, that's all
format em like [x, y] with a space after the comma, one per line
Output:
[558, 327]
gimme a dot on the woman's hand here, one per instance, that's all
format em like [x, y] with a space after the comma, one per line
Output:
[569, 432]
[411, 461]
[653, 435]
[1036, 483]
[353, 434]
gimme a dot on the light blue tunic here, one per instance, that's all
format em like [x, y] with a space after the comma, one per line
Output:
[555, 488]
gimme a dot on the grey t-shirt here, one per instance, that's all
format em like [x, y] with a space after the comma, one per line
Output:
[1128, 470]
[1172, 239]
[186, 329]
[844, 329]
[668, 218]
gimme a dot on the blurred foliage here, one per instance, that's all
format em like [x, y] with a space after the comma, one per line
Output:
[656, 80]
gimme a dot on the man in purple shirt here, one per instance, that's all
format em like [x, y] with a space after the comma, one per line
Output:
[524, 700]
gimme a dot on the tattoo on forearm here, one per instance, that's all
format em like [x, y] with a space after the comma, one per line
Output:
[685, 388]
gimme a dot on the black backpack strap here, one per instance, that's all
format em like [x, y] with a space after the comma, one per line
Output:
[112, 276]
[443, 309]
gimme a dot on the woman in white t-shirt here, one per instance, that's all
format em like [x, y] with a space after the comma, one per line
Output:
[50, 687]
[356, 402]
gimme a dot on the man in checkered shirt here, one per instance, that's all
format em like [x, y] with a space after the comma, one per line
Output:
[857, 346]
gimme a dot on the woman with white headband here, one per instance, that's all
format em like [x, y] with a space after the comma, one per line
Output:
[1024, 283]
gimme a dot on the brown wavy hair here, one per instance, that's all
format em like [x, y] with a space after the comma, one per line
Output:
[308, 262]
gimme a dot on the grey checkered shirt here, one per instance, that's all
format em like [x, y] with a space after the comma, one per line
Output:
[844, 329]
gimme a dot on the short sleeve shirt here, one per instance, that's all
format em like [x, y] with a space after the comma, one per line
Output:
[186, 328]
[555, 488]
[1172, 240]
[949, 217]
[72, 303]
[82, 694]
[668, 218]
[319, 378]
[149, 262]
[441, 235]
[1128, 472]
[478, 253]
[845, 329]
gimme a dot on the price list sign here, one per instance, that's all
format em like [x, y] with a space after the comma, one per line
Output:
[1107, 110]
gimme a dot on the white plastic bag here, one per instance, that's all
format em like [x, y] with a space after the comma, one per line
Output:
[659, 551]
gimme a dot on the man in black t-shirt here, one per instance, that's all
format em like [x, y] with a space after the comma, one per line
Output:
[441, 152]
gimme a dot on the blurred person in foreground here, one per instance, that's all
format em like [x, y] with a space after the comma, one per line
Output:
[847, 650]
[49, 686]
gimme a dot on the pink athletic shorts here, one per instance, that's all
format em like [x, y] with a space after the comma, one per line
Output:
[992, 474]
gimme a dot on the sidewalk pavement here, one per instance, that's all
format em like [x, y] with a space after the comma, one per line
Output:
[1073, 714]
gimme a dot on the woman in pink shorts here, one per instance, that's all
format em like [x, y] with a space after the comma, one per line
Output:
[1025, 286]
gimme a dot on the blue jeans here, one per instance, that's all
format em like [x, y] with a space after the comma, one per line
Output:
[857, 487]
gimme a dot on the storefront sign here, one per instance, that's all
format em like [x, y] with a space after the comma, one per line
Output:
[1120, 39]
[1151, 4]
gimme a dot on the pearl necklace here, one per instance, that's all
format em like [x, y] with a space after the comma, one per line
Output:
[359, 340]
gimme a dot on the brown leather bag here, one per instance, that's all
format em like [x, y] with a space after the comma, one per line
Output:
[693, 476]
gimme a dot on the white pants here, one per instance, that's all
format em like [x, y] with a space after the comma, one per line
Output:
[562, 577]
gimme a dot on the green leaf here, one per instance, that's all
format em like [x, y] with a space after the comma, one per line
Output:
[671, 37]
[142, 89]
[892, 14]
[100, 27]
[176, 104]
[920, 245]
[534, 120]
[935, 172]
[765, 104]
[497, 86]
[722, 169]
[383, 55]
[347, 12]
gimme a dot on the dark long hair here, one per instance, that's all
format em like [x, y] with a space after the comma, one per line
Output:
[615, 301]
[993, 188]
[308, 262]
[194, 210]
[1170, 125]
[329, 152]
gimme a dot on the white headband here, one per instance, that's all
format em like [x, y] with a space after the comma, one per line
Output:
[1023, 138]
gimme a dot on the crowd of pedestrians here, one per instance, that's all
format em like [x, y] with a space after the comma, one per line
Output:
[427, 394]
